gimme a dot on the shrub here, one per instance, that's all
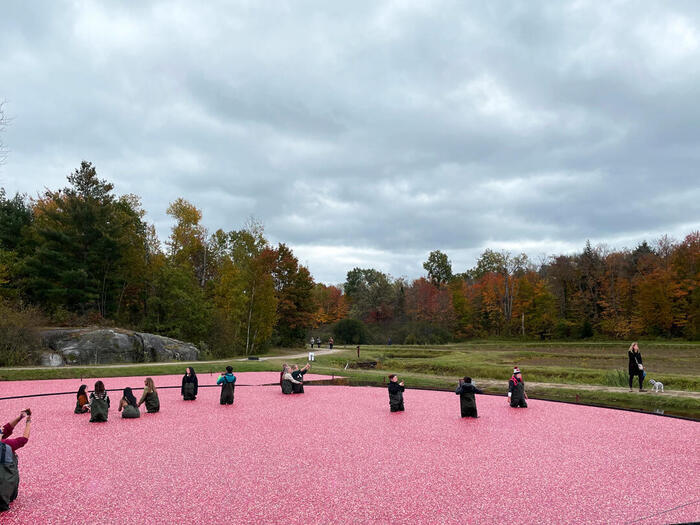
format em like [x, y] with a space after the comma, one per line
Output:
[20, 343]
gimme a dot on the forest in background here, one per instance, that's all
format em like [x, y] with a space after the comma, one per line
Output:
[81, 255]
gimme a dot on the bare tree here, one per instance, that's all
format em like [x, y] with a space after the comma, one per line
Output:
[3, 125]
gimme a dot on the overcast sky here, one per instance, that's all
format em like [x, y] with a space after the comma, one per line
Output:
[369, 133]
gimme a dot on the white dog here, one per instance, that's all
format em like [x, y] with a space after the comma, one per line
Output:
[657, 385]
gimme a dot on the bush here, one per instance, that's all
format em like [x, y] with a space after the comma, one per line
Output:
[586, 330]
[350, 331]
[20, 343]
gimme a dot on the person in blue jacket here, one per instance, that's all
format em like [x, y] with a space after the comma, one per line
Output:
[227, 382]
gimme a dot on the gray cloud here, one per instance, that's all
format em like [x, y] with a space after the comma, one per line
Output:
[369, 133]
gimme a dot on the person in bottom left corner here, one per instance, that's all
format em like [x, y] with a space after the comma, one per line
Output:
[9, 471]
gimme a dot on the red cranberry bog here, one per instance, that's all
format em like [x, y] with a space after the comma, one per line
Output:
[337, 455]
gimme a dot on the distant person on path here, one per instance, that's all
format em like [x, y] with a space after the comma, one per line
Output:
[636, 368]
[128, 405]
[358, 351]
[227, 382]
[312, 342]
[99, 403]
[9, 470]
[82, 403]
[516, 390]
[396, 390]
[190, 386]
[288, 381]
[330, 343]
[318, 342]
[467, 402]
[298, 388]
[150, 397]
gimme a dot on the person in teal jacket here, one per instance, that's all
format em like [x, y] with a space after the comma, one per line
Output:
[227, 382]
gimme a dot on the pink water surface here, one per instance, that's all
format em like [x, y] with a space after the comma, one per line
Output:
[337, 455]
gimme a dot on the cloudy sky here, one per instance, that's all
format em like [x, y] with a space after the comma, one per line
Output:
[369, 133]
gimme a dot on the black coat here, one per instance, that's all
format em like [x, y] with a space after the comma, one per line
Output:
[190, 386]
[517, 391]
[299, 376]
[467, 401]
[634, 358]
[395, 396]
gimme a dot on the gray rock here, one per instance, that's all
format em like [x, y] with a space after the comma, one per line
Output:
[83, 346]
[51, 359]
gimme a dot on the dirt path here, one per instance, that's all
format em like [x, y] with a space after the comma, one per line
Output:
[616, 389]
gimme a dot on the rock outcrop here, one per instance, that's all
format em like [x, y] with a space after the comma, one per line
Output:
[94, 346]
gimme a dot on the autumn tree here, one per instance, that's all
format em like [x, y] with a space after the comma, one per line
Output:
[187, 242]
[370, 293]
[330, 304]
[294, 293]
[506, 288]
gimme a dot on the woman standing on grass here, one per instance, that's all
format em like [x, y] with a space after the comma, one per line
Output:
[189, 385]
[636, 368]
[128, 406]
[81, 405]
[150, 397]
[9, 471]
[99, 403]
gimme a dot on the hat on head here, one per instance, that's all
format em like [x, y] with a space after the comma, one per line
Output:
[516, 370]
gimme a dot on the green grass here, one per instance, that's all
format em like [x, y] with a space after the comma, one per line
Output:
[604, 363]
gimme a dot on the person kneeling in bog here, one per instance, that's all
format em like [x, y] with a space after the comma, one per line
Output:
[516, 390]
[82, 404]
[467, 402]
[288, 382]
[396, 394]
[128, 405]
[298, 374]
[99, 403]
[227, 382]
[9, 470]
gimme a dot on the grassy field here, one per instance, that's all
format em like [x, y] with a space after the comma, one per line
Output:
[557, 371]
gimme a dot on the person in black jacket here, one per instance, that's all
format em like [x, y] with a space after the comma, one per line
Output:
[298, 374]
[636, 368]
[190, 386]
[396, 394]
[467, 402]
[516, 390]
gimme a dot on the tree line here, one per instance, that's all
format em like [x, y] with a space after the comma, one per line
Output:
[649, 291]
[84, 255]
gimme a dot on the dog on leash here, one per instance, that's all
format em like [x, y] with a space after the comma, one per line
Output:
[658, 385]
